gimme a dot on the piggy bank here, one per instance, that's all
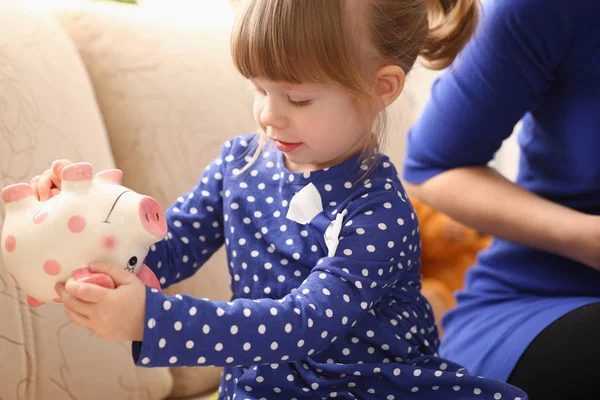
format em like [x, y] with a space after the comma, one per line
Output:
[91, 219]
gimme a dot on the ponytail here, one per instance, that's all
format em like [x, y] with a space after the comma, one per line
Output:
[451, 25]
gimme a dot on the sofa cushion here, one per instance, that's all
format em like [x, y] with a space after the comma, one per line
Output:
[48, 111]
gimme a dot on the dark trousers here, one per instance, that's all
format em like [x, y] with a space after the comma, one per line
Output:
[563, 361]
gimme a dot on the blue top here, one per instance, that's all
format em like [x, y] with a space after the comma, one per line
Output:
[301, 324]
[537, 60]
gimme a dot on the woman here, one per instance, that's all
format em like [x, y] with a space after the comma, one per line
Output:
[531, 305]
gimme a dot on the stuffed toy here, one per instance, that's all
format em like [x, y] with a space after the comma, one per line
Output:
[448, 250]
[90, 219]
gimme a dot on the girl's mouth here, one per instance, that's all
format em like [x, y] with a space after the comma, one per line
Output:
[286, 147]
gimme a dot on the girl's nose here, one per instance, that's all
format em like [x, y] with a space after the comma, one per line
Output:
[272, 115]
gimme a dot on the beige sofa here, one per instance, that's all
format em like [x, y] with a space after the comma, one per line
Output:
[152, 93]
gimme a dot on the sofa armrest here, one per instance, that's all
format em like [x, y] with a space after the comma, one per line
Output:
[47, 111]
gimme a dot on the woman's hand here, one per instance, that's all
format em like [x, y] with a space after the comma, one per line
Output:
[112, 314]
[48, 184]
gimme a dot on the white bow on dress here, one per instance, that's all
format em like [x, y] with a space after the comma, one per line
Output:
[305, 206]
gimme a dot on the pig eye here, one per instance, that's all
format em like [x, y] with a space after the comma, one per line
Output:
[133, 261]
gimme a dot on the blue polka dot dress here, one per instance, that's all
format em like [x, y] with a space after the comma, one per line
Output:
[323, 308]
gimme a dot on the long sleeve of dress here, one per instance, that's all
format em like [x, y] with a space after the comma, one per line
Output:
[379, 245]
[502, 73]
[195, 227]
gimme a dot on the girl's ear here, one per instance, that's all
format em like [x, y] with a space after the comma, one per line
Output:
[390, 82]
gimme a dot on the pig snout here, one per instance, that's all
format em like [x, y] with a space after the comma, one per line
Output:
[152, 217]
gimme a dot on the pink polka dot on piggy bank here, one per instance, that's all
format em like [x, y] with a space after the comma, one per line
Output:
[108, 242]
[52, 267]
[10, 243]
[76, 224]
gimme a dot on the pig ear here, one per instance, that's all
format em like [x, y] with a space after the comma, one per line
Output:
[17, 193]
[114, 176]
[77, 177]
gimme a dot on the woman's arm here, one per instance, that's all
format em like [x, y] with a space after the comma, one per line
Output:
[482, 198]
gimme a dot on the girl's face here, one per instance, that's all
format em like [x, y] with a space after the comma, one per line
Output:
[315, 125]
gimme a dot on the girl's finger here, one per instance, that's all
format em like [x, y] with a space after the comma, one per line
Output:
[78, 306]
[56, 168]
[55, 180]
[72, 302]
[85, 292]
[78, 319]
[34, 184]
[45, 185]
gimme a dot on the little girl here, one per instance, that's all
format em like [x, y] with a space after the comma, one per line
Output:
[322, 242]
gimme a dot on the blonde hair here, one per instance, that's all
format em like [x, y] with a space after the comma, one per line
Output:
[318, 41]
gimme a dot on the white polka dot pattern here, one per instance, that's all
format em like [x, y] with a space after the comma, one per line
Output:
[300, 321]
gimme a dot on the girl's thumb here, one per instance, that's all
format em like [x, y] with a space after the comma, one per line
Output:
[115, 271]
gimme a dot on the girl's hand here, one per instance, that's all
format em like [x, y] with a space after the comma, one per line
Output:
[48, 184]
[112, 314]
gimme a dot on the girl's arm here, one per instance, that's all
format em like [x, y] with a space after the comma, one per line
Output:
[378, 253]
[195, 226]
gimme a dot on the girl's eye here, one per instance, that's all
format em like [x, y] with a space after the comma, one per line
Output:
[302, 103]
[261, 92]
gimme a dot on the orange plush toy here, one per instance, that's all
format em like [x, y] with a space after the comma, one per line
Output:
[448, 250]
